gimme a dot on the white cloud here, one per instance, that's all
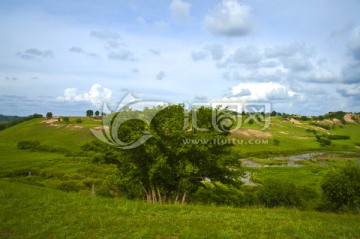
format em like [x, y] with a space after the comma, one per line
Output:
[122, 55]
[105, 35]
[96, 96]
[245, 56]
[230, 18]
[161, 75]
[180, 10]
[33, 53]
[260, 92]
[350, 90]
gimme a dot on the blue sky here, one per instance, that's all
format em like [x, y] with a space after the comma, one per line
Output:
[69, 56]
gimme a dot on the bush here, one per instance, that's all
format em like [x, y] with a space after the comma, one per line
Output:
[218, 194]
[323, 140]
[28, 144]
[275, 193]
[79, 121]
[276, 142]
[335, 137]
[341, 189]
[71, 186]
[66, 120]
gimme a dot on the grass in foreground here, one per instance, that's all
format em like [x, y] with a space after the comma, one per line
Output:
[34, 212]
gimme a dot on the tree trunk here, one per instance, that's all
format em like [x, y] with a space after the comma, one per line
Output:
[183, 198]
[153, 196]
[159, 196]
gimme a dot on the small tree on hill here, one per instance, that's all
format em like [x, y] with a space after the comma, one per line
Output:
[66, 120]
[49, 115]
[89, 113]
[97, 113]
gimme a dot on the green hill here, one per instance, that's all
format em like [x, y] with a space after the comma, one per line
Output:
[50, 193]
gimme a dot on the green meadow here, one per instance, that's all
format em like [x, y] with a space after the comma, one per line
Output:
[59, 191]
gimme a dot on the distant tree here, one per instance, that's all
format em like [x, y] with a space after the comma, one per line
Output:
[321, 117]
[97, 113]
[49, 115]
[103, 114]
[89, 113]
[273, 113]
[66, 120]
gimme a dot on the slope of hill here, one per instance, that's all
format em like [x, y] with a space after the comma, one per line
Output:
[30, 181]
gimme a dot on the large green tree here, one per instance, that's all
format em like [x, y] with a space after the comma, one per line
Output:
[176, 159]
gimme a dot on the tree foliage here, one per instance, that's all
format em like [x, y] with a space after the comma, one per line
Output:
[165, 167]
[89, 113]
[341, 188]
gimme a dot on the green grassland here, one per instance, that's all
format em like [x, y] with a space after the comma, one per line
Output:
[36, 212]
[34, 204]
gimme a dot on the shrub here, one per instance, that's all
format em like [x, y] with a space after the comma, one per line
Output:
[275, 193]
[341, 189]
[71, 185]
[276, 142]
[28, 144]
[66, 120]
[335, 137]
[79, 121]
[218, 194]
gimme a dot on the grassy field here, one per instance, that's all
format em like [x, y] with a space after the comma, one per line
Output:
[34, 212]
[33, 207]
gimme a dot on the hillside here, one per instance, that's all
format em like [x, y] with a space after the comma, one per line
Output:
[54, 183]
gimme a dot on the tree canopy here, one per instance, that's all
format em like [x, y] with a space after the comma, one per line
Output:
[175, 160]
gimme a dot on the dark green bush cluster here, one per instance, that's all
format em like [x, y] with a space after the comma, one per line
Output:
[324, 141]
[341, 189]
[28, 144]
[324, 126]
[311, 131]
[336, 137]
[275, 193]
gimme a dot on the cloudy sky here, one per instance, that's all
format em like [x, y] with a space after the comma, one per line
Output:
[70, 56]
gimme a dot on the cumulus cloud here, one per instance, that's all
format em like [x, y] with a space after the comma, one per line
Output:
[216, 51]
[76, 49]
[230, 19]
[351, 90]
[161, 75]
[354, 44]
[155, 52]
[121, 55]
[11, 78]
[351, 73]
[260, 92]
[286, 51]
[33, 53]
[180, 10]
[351, 70]
[105, 35]
[96, 96]
[199, 55]
[79, 50]
[245, 56]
